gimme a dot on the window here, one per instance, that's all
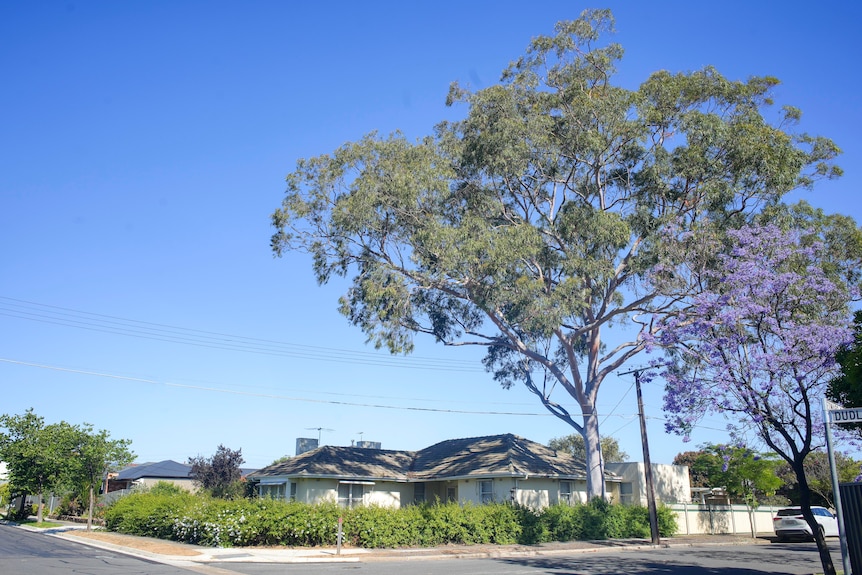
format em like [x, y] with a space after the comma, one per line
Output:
[272, 490]
[418, 493]
[486, 491]
[626, 493]
[350, 494]
[566, 492]
[293, 491]
[451, 494]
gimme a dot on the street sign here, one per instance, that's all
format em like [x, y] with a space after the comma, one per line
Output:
[850, 415]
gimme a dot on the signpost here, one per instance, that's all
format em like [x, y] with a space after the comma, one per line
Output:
[833, 413]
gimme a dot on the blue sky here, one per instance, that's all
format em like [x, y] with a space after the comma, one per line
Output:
[145, 144]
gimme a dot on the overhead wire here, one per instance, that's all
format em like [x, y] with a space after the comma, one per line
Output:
[56, 315]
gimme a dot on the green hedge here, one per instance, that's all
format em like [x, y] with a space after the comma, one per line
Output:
[215, 522]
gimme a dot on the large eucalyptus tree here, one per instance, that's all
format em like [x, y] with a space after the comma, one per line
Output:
[559, 208]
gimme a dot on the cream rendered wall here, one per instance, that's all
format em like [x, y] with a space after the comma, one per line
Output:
[187, 484]
[383, 494]
[316, 490]
[388, 494]
[672, 484]
[537, 493]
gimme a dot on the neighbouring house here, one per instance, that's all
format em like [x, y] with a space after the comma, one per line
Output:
[476, 470]
[148, 474]
[671, 482]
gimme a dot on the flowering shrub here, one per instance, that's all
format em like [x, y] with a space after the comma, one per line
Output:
[202, 520]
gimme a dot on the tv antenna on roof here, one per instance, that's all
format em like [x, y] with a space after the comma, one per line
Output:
[319, 429]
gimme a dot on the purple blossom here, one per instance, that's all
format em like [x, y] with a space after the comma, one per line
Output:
[760, 342]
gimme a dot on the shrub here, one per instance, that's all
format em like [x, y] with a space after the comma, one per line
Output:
[562, 523]
[166, 488]
[168, 512]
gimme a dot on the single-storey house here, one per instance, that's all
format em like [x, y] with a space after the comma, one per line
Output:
[476, 470]
[148, 474]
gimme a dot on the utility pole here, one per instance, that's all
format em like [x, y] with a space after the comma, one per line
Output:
[650, 487]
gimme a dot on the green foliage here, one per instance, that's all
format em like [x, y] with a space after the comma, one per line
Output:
[166, 488]
[37, 455]
[204, 520]
[846, 389]
[574, 445]
[20, 514]
[58, 457]
[749, 477]
[219, 474]
[562, 203]
[818, 476]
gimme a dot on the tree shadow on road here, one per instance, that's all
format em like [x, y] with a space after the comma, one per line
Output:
[711, 561]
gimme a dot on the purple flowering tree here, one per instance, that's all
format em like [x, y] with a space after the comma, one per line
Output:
[758, 346]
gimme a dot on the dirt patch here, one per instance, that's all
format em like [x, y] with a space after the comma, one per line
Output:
[141, 543]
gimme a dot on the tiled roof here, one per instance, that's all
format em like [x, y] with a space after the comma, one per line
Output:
[344, 462]
[495, 455]
[491, 456]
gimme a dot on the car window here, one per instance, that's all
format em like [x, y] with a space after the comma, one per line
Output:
[789, 512]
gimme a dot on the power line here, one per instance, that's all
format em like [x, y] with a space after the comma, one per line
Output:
[45, 313]
[300, 399]
[264, 395]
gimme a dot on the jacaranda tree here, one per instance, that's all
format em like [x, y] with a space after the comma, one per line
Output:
[758, 344]
[529, 227]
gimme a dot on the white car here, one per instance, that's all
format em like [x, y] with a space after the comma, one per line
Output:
[790, 523]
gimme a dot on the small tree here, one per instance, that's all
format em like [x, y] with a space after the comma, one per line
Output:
[219, 474]
[574, 445]
[37, 456]
[759, 342]
[747, 476]
[95, 455]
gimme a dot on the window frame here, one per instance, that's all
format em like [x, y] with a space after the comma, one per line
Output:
[567, 491]
[486, 490]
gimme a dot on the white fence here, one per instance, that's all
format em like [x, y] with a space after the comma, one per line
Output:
[696, 519]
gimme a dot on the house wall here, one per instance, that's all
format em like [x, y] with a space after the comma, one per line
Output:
[671, 482]
[535, 492]
[147, 482]
[532, 492]
[316, 490]
[388, 494]
[382, 493]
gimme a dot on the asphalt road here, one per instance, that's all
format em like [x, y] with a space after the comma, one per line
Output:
[776, 558]
[26, 553]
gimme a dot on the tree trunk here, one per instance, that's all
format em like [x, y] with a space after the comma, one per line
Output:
[39, 507]
[751, 520]
[90, 511]
[805, 504]
[594, 463]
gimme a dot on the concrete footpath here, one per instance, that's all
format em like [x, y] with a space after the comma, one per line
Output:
[180, 554]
